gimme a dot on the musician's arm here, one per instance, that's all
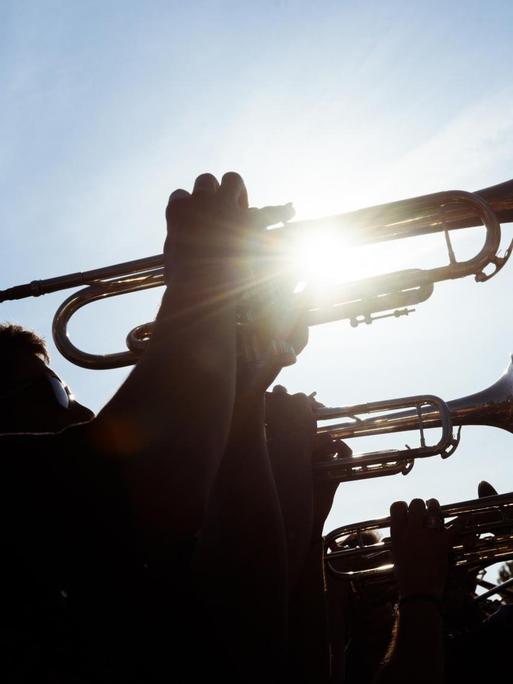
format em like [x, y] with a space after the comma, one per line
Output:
[416, 652]
[305, 505]
[312, 636]
[169, 422]
[420, 556]
[170, 419]
[291, 424]
[241, 564]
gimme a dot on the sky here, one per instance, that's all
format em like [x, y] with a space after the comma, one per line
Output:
[105, 108]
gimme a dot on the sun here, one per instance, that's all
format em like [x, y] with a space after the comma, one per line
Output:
[329, 255]
[318, 259]
[326, 259]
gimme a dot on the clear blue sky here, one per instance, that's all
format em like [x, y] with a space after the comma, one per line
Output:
[107, 107]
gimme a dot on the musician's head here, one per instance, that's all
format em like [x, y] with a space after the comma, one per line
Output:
[32, 397]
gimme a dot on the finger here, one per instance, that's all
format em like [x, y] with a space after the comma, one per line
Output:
[233, 190]
[177, 195]
[315, 402]
[433, 507]
[417, 512]
[269, 216]
[175, 198]
[205, 183]
[279, 389]
[433, 519]
[398, 517]
[303, 407]
[243, 198]
[484, 488]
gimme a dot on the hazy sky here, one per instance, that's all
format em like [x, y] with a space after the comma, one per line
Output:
[107, 107]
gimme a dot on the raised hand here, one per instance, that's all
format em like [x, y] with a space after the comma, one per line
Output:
[420, 546]
[212, 232]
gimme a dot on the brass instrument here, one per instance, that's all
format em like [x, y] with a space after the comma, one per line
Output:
[343, 468]
[489, 518]
[492, 406]
[357, 301]
[504, 590]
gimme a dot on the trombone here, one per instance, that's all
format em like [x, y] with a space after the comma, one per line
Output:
[492, 406]
[391, 294]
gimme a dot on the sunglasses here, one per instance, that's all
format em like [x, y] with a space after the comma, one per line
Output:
[46, 387]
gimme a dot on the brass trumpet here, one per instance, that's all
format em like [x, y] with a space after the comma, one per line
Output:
[492, 406]
[489, 518]
[357, 301]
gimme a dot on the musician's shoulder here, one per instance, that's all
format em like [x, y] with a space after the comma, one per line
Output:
[74, 439]
[26, 441]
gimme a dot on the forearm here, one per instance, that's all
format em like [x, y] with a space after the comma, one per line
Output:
[292, 468]
[241, 559]
[244, 523]
[416, 654]
[310, 649]
[170, 420]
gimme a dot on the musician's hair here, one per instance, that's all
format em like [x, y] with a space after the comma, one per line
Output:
[15, 340]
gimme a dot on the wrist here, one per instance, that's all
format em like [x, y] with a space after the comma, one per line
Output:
[196, 297]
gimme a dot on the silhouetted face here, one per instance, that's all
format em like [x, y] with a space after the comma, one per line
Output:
[34, 399]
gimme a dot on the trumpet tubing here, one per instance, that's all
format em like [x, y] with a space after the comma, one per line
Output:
[492, 406]
[391, 294]
[489, 518]
[389, 462]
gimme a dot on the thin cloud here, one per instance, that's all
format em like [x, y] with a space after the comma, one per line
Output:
[472, 145]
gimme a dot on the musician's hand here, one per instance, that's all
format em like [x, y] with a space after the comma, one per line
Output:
[253, 378]
[212, 233]
[325, 488]
[294, 444]
[420, 546]
[290, 420]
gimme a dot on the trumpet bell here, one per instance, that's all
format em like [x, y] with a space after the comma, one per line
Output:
[492, 406]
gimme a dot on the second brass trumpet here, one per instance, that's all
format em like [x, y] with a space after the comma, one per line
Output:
[492, 406]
